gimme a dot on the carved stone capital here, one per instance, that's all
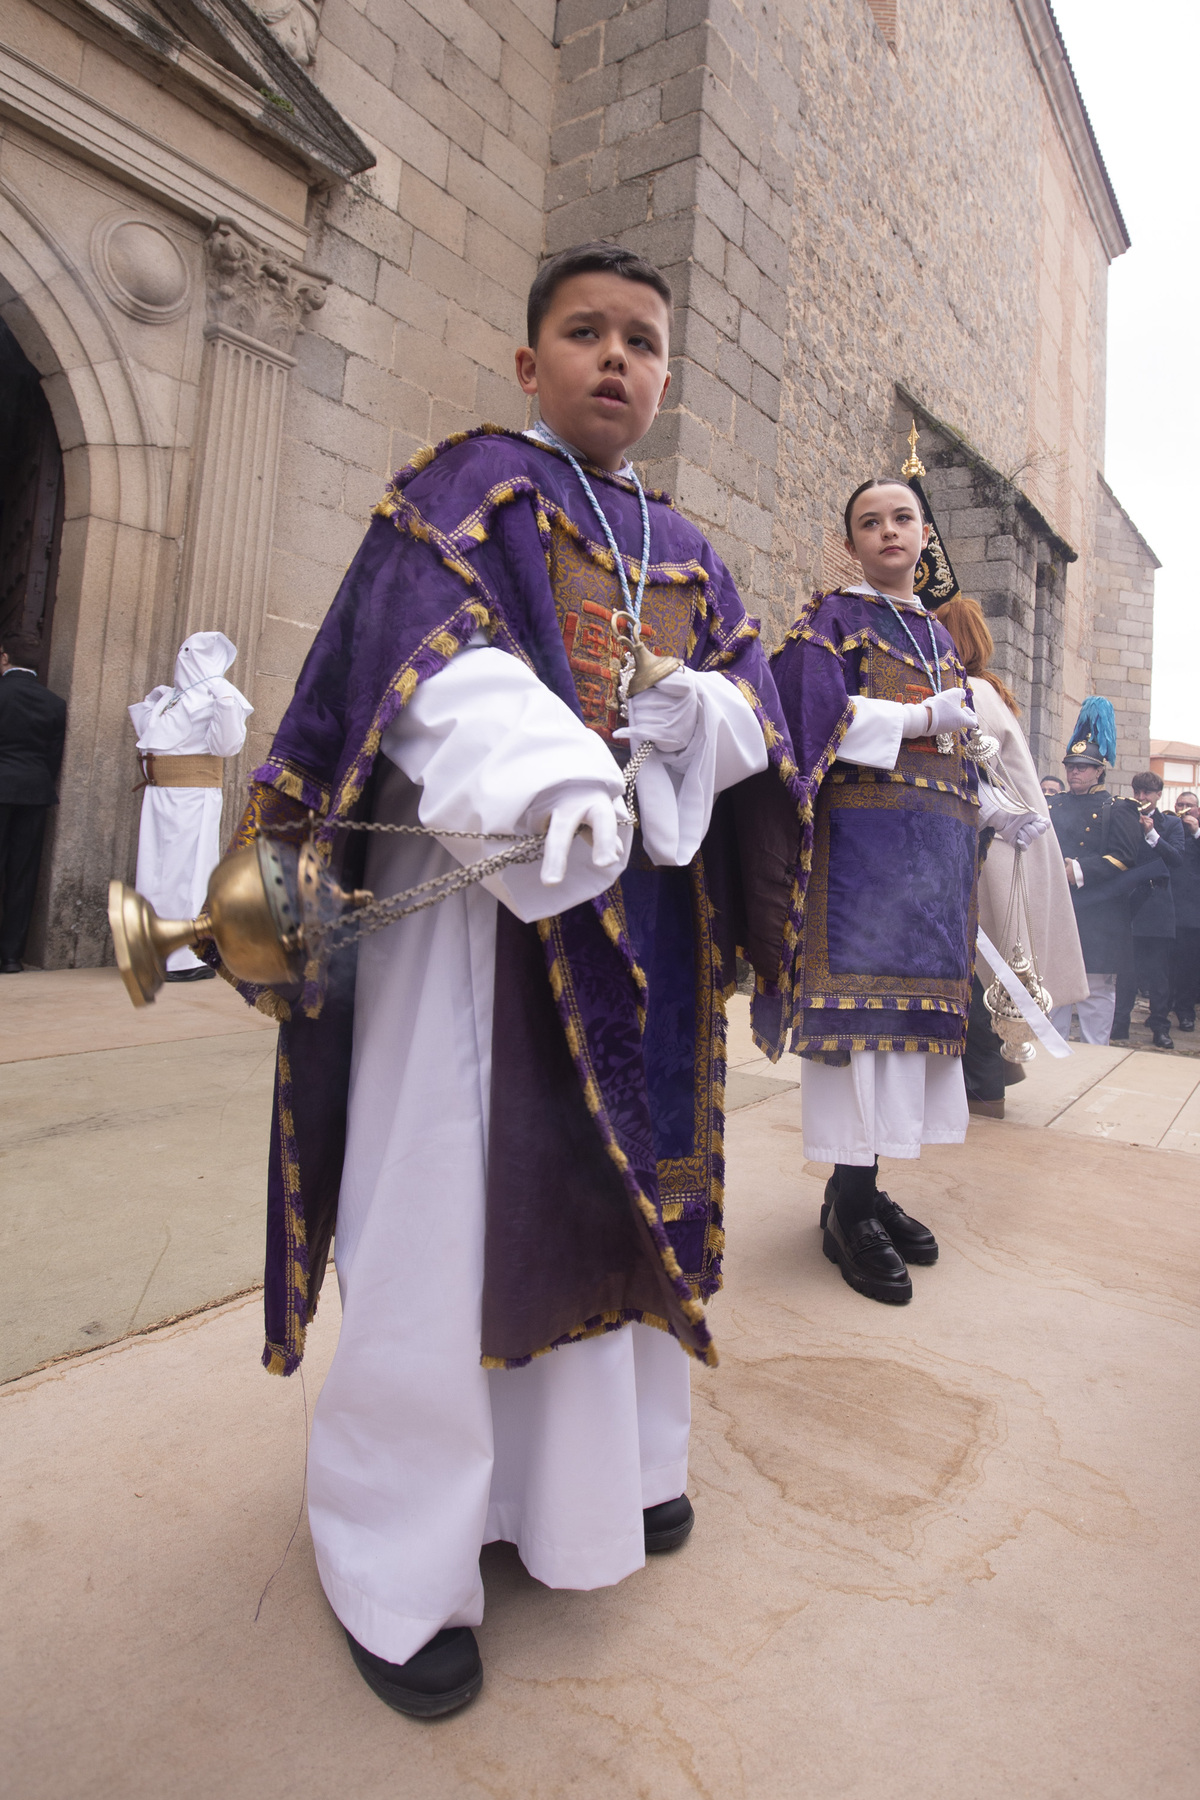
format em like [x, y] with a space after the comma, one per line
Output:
[294, 23]
[253, 290]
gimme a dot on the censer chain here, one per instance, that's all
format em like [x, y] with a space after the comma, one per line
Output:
[378, 913]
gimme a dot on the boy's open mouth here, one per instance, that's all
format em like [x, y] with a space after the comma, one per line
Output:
[610, 389]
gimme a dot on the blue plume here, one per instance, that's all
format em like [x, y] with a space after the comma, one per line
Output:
[1097, 720]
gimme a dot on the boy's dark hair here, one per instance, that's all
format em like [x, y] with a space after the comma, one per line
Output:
[585, 259]
[1147, 783]
[874, 482]
[21, 650]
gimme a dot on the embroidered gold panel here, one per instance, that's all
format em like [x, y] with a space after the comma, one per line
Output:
[586, 596]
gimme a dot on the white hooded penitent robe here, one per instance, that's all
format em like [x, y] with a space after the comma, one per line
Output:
[418, 1455]
[179, 837]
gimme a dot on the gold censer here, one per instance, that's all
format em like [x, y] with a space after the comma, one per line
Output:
[265, 905]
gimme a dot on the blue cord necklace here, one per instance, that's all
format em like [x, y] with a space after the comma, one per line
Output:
[945, 739]
[633, 602]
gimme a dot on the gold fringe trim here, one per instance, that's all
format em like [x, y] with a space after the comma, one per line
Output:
[607, 1321]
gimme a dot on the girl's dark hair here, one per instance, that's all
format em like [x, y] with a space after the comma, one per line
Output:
[585, 259]
[876, 481]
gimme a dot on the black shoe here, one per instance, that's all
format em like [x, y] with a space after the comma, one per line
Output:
[667, 1524]
[12, 968]
[868, 1259]
[914, 1241]
[1188, 1022]
[204, 973]
[1120, 1032]
[438, 1679]
[1162, 1039]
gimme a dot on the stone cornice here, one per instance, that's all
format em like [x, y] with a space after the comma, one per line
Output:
[56, 110]
[208, 41]
[1053, 65]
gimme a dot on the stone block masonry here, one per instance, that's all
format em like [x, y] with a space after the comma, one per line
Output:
[674, 129]
[827, 254]
[429, 258]
[1123, 566]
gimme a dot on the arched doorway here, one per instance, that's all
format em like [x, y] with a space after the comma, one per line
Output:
[31, 502]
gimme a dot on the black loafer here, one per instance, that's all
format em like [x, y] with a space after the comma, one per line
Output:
[202, 974]
[915, 1242]
[868, 1259]
[12, 967]
[438, 1679]
[1162, 1040]
[1187, 1023]
[667, 1524]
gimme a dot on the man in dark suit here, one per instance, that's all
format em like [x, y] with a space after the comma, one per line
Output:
[1185, 891]
[1147, 962]
[33, 724]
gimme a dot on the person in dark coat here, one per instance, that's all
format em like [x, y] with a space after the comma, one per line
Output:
[1146, 964]
[1099, 840]
[33, 724]
[1185, 890]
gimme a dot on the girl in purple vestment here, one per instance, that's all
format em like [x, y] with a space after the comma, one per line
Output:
[873, 693]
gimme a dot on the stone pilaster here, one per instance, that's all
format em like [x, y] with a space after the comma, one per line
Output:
[256, 305]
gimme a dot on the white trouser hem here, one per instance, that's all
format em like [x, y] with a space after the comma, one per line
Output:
[861, 1159]
[394, 1636]
[666, 1482]
[556, 1566]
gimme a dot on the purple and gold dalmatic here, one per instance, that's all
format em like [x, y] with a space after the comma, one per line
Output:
[882, 938]
[605, 1156]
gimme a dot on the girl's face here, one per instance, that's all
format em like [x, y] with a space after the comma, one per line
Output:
[888, 535]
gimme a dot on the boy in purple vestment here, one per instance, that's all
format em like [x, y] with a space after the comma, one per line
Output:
[512, 1108]
[874, 696]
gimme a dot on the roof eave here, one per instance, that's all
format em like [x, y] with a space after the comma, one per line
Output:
[1050, 59]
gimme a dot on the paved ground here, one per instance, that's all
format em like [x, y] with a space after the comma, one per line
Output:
[132, 1157]
[943, 1552]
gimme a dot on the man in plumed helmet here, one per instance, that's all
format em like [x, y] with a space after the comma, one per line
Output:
[1099, 843]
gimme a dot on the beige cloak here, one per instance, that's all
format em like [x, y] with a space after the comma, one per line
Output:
[1051, 915]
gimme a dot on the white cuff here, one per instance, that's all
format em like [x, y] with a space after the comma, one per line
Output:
[492, 748]
[1152, 837]
[989, 806]
[675, 793]
[874, 734]
[1078, 871]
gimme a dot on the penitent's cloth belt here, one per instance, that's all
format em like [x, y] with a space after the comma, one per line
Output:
[180, 771]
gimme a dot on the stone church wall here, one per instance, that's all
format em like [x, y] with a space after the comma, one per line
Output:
[1122, 630]
[429, 258]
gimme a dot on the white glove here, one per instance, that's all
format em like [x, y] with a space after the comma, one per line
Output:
[589, 807]
[666, 714]
[941, 712]
[1022, 829]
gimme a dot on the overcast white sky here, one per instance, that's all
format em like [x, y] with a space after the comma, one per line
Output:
[1137, 70]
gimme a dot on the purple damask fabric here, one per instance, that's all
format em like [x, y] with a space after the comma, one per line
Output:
[885, 951]
[493, 532]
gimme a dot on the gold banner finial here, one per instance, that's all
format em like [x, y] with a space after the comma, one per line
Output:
[914, 465]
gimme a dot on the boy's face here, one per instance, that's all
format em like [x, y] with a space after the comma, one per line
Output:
[600, 366]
